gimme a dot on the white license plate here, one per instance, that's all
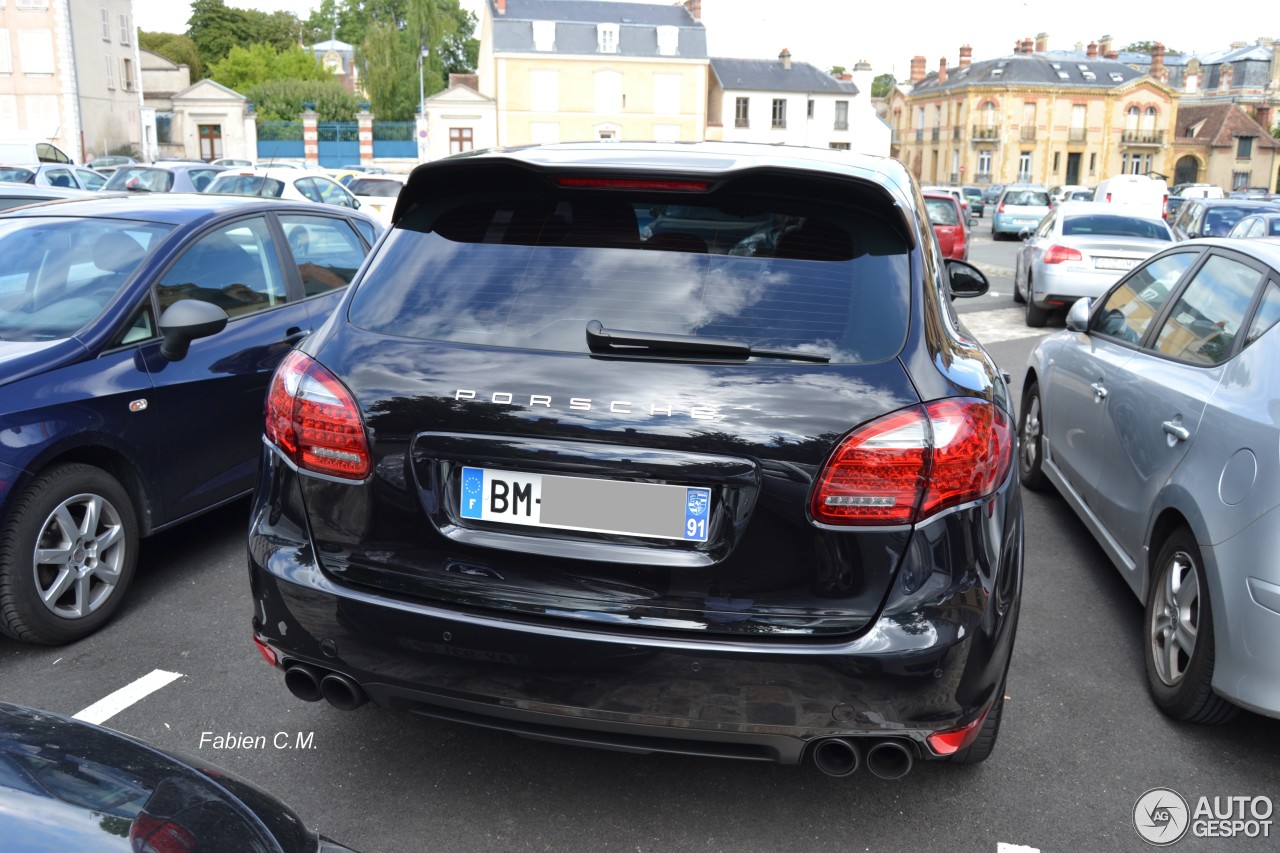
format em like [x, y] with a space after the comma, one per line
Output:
[1115, 263]
[586, 503]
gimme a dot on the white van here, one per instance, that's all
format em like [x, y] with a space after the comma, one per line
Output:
[1202, 191]
[20, 152]
[1143, 195]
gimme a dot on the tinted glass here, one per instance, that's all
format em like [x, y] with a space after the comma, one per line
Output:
[331, 193]
[234, 267]
[201, 178]
[326, 250]
[17, 176]
[1131, 307]
[367, 231]
[1218, 220]
[942, 212]
[1027, 198]
[90, 179]
[1268, 313]
[247, 185]
[530, 271]
[375, 188]
[61, 178]
[1115, 226]
[59, 273]
[139, 179]
[307, 186]
[1205, 320]
[1273, 227]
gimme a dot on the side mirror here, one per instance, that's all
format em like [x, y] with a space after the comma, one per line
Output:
[1078, 316]
[184, 322]
[1025, 233]
[966, 280]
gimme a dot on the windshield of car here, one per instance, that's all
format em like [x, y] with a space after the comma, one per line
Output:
[140, 179]
[530, 270]
[17, 175]
[60, 272]
[942, 211]
[375, 188]
[1109, 225]
[246, 185]
[1027, 198]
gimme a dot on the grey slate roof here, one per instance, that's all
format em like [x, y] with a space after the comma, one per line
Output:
[768, 75]
[1038, 69]
[576, 27]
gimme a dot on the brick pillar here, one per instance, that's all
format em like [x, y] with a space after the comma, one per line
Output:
[365, 119]
[311, 138]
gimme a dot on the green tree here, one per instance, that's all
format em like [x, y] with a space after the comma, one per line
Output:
[244, 68]
[215, 28]
[175, 48]
[283, 100]
[882, 85]
[384, 59]
[1146, 46]
[460, 50]
[837, 70]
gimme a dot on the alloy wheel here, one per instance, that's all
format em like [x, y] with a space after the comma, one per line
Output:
[1175, 620]
[79, 554]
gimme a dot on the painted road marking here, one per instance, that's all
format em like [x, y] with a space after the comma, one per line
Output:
[1001, 847]
[107, 707]
[1000, 324]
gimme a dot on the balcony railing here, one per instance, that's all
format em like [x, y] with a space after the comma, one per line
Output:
[983, 177]
[982, 132]
[1077, 134]
[955, 177]
[936, 134]
[919, 134]
[841, 125]
[1142, 137]
[741, 121]
[1028, 134]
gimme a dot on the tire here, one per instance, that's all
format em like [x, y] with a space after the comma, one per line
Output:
[1031, 440]
[985, 743]
[92, 567]
[1017, 291]
[1179, 648]
[1037, 317]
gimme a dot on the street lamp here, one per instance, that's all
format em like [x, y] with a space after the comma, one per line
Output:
[423, 53]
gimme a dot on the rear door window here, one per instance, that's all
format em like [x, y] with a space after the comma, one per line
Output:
[234, 266]
[1204, 322]
[326, 249]
[1130, 308]
[532, 270]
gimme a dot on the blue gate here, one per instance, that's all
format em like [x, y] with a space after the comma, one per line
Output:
[395, 139]
[280, 140]
[339, 143]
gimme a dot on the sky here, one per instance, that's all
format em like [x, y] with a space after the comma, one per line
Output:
[888, 34]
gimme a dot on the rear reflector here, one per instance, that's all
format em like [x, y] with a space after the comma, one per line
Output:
[268, 653]
[634, 184]
[911, 464]
[314, 421]
[954, 740]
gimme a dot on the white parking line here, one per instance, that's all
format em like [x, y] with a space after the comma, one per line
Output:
[107, 707]
[1001, 847]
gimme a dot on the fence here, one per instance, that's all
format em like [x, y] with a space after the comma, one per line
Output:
[339, 143]
[280, 140]
[395, 139]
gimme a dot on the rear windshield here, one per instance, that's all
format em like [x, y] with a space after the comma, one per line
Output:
[60, 272]
[1027, 198]
[375, 188]
[140, 180]
[17, 176]
[1219, 219]
[1115, 226]
[942, 211]
[247, 185]
[531, 270]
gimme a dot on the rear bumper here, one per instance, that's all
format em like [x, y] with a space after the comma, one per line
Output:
[932, 661]
[1063, 284]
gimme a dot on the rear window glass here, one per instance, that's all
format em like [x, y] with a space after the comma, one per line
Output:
[1115, 226]
[1027, 198]
[141, 180]
[1218, 220]
[532, 270]
[375, 188]
[942, 212]
[246, 185]
[17, 176]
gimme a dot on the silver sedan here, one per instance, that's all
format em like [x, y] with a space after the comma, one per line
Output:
[1081, 249]
[1154, 414]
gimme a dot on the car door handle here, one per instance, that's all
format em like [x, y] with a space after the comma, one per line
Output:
[1099, 390]
[295, 334]
[1176, 430]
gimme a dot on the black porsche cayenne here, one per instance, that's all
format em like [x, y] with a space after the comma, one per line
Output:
[653, 448]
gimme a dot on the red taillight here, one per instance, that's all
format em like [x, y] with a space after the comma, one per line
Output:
[1058, 254]
[906, 466]
[1000, 209]
[268, 653]
[1164, 207]
[634, 184]
[1108, 196]
[154, 835]
[954, 740]
[314, 420]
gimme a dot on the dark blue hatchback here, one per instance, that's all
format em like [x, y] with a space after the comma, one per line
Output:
[137, 338]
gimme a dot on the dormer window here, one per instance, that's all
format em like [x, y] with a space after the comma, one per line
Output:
[996, 72]
[1062, 75]
[544, 35]
[607, 38]
[1089, 75]
[1082, 67]
[1117, 76]
[668, 40]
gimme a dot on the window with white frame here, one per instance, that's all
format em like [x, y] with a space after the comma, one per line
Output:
[126, 75]
[33, 4]
[1024, 166]
[6, 55]
[608, 92]
[111, 72]
[742, 112]
[842, 115]
[544, 35]
[106, 24]
[668, 40]
[984, 163]
[126, 30]
[1240, 180]
[607, 38]
[608, 132]
[36, 49]
[780, 112]
[544, 132]
[666, 94]
[544, 91]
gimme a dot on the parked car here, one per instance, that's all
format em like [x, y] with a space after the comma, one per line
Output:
[19, 195]
[974, 196]
[991, 195]
[1153, 415]
[948, 225]
[1060, 194]
[108, 164]
[132, 330]
[230, 162]
[25, 149]
[1171, 206]
[171, 177]
[1079, 195]
[1257, 225]
[1019, 207]
[71, 785]
[1208, 217]
[536, 466]
[1081, 249]
[291, 184]
[1197, 191]
[377, 194]
[53, 175]
[958, 195]
[1141, 194]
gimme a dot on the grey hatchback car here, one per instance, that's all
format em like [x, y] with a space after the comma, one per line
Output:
[1154, 415]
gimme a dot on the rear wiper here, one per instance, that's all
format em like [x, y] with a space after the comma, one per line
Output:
[622, 341]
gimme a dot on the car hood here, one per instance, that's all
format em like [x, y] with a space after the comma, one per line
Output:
[21, 359]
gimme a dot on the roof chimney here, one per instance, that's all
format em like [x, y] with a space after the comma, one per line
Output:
[1042, 42]
[1157, 62]
[1104, 45]
[1028, 46]
[942, 70]
[917, 68]
[1113, 54]
[502, 7]
[695, 8]
[966, 55]
[1092, 52]
[785, 56]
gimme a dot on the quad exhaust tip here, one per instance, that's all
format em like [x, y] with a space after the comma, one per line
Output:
[303, 683]
[311, 685]
[889, 759]
[836, 757]
[886, 759]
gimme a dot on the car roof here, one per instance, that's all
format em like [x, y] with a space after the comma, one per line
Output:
[1099, 208]
[1265, 249]
[12, 190]
[167, 208]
